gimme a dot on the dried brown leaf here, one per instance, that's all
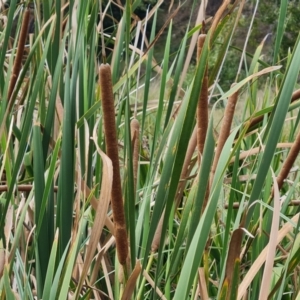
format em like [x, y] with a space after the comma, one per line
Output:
[202, 284]
[8, 224]
[2, 260]
[152, 283]
[106, 273]
[131, 283]
[99, 221]
[256, 150]
[267, 276]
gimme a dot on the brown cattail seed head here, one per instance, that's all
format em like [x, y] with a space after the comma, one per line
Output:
[201, 40]
[112, 152]
[202, 108]
[225, 129]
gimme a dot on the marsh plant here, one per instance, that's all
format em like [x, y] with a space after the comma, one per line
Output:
[108, 193]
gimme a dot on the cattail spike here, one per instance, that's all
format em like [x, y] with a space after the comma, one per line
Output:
[200, 43]
[112, 152]
[202, 108]
[225, 130]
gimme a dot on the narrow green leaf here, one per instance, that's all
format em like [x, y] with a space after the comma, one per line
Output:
[9, 295]
[41, 221]
[51, 269]
[195, 251]
[280, 29]
[276, 126]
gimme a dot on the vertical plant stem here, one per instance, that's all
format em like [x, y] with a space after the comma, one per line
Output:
[157, 236]
[19, 55]
[140, 292]
[112, 152]
[135, 129]
[288, 164]
[255, 121]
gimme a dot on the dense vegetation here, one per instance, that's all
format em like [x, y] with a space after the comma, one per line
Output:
[118, 181]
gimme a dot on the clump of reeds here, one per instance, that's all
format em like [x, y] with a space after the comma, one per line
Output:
[20, 52]
[112, 152]
[135, 142]
[202, 108]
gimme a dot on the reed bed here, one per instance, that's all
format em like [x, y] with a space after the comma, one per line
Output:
[102, 192]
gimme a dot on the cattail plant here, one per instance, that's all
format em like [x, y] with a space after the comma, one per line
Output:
[224, 131]
[197, 138]
[20, 51]
[112, 152]
[202, 108]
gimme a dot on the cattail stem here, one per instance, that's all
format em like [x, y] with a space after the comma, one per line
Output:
[19, 55]
[288, 164]
[112, 152]
[202, 108]
[255, 121]
[236, 205]
[140, 292]
[224, 132]
[156, 240]
[135, 142]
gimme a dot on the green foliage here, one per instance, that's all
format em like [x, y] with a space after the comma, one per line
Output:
[57, 235]
[292, 29]
[269, 14]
